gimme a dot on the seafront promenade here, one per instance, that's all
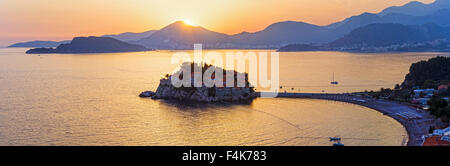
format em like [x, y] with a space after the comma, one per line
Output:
[416, 122]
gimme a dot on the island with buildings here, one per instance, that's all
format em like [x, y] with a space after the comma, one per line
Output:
[203, 93]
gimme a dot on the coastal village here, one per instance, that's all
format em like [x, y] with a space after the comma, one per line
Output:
[426, 89]
[438, 44]
[421, 100]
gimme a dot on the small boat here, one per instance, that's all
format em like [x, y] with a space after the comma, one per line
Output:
[333, 82]
[362, 101]
[338, 144]
[335, 138]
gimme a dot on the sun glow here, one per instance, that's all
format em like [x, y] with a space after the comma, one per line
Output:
[187, 21]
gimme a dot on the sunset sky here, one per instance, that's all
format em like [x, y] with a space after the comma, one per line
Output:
[22, 20]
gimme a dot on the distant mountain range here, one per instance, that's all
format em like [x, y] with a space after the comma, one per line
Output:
[182, 36]
[91, 45]
[389, 34]
[416, 8]
[440, 17]
[283, 33]
[385, 37]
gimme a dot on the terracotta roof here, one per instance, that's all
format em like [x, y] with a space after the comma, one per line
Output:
[443, 86]
[435, 141]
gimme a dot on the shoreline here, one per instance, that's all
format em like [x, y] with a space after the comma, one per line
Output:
[415, 128]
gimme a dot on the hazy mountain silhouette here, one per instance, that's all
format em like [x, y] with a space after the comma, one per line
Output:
[179, 35]
[385, 37]
[39, 43]
[282, 33]
[416, 8]
[91, 45]
[440, 17]
[341, 28]
[131, 36]
[182, 36]
[389, 34]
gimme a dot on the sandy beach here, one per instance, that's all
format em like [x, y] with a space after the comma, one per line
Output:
[416, 126]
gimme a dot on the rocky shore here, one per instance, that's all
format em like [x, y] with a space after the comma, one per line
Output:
[166, 90]
[199, 94]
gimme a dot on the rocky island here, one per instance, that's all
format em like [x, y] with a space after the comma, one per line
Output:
[91, 45]
[167, 90]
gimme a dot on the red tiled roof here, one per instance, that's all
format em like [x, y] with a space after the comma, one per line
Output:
[435, 141]
[443, 87]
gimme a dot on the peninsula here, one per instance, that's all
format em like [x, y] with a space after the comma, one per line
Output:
[38, 43]
[91, 45]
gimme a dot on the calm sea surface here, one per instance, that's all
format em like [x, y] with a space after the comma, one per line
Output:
[91, 99]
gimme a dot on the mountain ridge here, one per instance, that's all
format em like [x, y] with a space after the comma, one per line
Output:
[385, 37]
[384, 34]
[179, 35]
[131, 36]
[416, 8]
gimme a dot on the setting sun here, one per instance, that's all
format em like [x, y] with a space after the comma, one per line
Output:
[187, 21]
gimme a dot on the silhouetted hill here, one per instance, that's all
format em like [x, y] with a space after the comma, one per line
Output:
[389, 34]
[341, 28]
[130, 36]
[435, 70]
[439, 17]
[91, 45]
[282, 33]
[179, 35]
[39, 43]
[385, 37]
